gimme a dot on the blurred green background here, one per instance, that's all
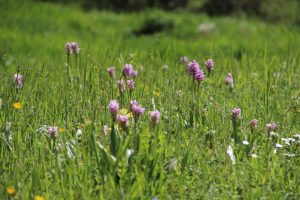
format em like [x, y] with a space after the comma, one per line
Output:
[39, 29]
[272, 10]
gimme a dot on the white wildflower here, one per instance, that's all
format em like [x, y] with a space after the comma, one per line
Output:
[231, 154]
[289, 154]
[272, 133]
[42, 129]
[165, 67]
[288, 141]
[253, 155]
[297, 136]
[78, 133]
[129, 152]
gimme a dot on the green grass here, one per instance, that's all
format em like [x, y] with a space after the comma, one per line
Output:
[174, 160]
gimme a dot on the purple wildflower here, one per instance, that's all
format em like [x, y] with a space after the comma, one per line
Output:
[121, 85]
[229, 80]
[271, 127]
[19, 80]
[130, 84]
[123, 120]
[193, 67]
[127, 70]
[111, 71]
[209, 64]
[253, 123]
[134, 73]
[133, 102]
[236, 113]
[72, 47]
[113, 108]
[184, 60]
[75, 47]
[53, 131]
[155, 116]
[136, 109]
[199, 75]
[68, 48]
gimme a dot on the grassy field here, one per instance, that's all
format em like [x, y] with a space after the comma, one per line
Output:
[185, 155]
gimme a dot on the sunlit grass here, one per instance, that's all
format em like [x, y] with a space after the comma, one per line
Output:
[183, 156]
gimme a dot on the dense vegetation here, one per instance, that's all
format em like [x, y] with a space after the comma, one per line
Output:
[284, 11]
[59, 140]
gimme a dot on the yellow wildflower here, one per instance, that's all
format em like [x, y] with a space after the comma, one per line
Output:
[38, 197]
[17, 105]
[11, 190]
[156, 93]
[124, 111]
[130, 115]
[61, 130]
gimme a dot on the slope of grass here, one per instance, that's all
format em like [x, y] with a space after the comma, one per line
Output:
[179, 159]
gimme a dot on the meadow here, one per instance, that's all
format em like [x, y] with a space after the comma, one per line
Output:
[63, 137]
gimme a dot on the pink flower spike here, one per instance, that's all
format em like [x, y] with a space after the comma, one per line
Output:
[155, 117]
[123, 120]
[193, 67]
[111, 71]
[128, 70]
[19, 80]
[113, 108]
[130, 84]
[53, 131]
[209, 64]
[253, 123]
[75, 47]
[121, 85]
[236, 113]
[229, 80]
[134, 73]
[184, 60]
[72, 47]
[271, 127]
[136, 109]
[68, 48]
[199, 76]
